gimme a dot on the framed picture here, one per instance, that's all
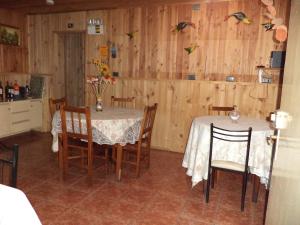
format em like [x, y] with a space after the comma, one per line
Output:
[10, 35]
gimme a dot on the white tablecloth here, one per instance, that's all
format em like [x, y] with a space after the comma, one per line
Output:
[111, 126]
[197, 149]
[15, 209]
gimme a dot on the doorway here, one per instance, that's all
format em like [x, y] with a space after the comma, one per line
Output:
[70, 69]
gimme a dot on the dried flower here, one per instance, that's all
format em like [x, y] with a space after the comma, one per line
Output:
[100, 81]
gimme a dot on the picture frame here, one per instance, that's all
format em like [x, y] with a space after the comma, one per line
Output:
[10, 35]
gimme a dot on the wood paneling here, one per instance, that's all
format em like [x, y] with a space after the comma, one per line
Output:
[224, 46]
[180, 101]
[38, 6]
[14, 58]
[153, 65]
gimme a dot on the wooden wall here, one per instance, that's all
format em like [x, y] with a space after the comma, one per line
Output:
[158, 53]
[179, 101]
[14, 58]
[153, 65]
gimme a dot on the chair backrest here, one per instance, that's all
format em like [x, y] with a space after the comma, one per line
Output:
[230, 136]
[148, 122]
[123, 102]
[219, 110]
[76, 123]
[9, 165]
[56, 104]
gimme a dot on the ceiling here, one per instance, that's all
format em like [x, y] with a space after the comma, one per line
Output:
[40, 6]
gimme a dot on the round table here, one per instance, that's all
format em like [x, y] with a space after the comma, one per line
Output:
[197, 149]
[112, 126]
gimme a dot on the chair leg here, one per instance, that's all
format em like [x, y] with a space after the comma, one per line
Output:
[138, 159]
[148, 156]
[65, 160]
[106, 161]
[214, 172]
[208, 186]
[244, 189]
[90, 164]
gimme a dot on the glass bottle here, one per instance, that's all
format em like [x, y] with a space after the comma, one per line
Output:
[16, 88]
[11, 91]
[7, 91]
[1, 92]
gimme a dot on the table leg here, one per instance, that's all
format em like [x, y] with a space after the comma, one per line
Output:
[256, 185]
[119, 161]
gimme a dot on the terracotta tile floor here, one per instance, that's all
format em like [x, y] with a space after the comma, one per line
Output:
[162, 194]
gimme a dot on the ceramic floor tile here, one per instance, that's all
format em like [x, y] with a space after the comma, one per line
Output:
[163, 194]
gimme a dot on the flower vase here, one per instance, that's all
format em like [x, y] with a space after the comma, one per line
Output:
[99, 104]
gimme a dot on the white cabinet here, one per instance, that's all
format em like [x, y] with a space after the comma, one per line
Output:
[36, 113]
[20, 120]
[20, 116]
[4, 119]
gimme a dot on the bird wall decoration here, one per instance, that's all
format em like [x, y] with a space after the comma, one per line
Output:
[276, 23]
[131, 34]
[268, 26]
[190, 49]
[240, 16]
[182, 25]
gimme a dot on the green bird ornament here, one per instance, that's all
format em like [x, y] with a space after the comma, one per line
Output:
[131, 34]
[240, 16]
[190, 49]
[182, 25]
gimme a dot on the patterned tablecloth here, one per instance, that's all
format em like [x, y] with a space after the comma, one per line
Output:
[197, 149]
[111, 126]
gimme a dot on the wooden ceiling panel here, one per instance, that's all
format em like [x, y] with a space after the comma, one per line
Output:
[40, 6]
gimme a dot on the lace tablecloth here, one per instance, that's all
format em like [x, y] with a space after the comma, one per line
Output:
[111, 126]
[197, 149]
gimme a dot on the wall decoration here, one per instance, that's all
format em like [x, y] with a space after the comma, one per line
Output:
[240, 16]
[274, 23]
[95, 26]
[190, 49]
[131, 34]
[182, 25]
[268, 26]
[103, 50]
[9, 35]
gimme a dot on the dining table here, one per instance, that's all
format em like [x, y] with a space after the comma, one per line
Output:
[15, 208]
[113, 126]
[196, 154]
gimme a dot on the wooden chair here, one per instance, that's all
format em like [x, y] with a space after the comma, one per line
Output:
[141, 149]
[123, 102]
[213, 165]
[219, 110]
[77, 138]
[56, 104]
[9, 165]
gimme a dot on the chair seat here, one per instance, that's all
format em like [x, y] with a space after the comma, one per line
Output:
[228, 165]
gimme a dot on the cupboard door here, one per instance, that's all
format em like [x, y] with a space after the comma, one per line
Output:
[36, 114]
[4, 119]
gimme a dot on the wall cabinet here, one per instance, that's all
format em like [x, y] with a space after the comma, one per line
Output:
[20, 116]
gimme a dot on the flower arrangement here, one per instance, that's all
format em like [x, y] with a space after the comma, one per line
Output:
[101, 80]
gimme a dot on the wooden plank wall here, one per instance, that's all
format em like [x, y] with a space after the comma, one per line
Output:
[14, 58]
[179, 101]
[157, 53]
[153, 65]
